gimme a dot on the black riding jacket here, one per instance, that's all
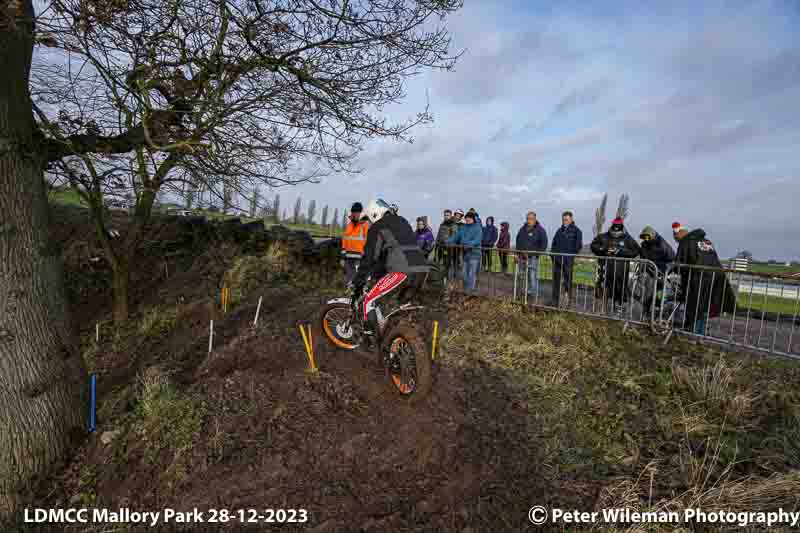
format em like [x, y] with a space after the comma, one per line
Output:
[391, 247]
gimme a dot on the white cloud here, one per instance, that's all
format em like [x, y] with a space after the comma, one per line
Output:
[690, 110]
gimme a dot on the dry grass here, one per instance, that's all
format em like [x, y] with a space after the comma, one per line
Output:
[659, 428]
[714, 386]
[710, 486]
[155, 390]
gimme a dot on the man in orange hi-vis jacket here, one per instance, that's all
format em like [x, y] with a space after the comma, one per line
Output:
[354, 239]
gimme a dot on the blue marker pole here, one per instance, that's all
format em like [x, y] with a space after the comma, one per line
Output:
[92, 421]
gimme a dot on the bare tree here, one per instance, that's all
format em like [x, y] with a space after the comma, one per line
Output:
[312, 211]
[623, 208]
[234, 93]
[215, 90]
[297, 207]
[600, 216]
[285, 217]
[324, 220]
[335, 221]
[344, 218]
[254, 202]
[190, 194]
[42, 374]
[276, 208]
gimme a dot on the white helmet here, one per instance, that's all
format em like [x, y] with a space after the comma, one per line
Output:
[376, 209]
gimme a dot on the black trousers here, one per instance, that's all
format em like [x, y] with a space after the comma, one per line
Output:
[503, 261]
[487, 259]
[562, 277]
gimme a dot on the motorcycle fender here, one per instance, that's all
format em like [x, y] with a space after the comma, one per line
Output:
[339, 301]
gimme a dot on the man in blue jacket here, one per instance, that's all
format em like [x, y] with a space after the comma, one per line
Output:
[567, 240]
[531, 237]
[469, 236]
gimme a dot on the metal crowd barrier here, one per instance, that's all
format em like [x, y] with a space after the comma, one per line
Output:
[607, 287]
[743, 309]
[750, 310]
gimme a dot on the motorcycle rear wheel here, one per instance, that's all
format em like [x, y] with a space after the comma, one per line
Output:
[409, 372]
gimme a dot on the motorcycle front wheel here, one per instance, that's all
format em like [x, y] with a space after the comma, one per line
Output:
[337, 323]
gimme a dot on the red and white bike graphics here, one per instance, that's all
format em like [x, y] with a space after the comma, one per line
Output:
[385, 285]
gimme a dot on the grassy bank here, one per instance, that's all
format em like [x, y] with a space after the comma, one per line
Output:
[635, 424]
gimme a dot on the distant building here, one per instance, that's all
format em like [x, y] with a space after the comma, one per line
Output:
[741, 264]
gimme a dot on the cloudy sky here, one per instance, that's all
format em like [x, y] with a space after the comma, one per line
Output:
[693, 108]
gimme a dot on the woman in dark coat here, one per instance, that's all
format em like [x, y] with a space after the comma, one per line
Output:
[705, 292]
[487, 242]
[504, 243]
[613, 274]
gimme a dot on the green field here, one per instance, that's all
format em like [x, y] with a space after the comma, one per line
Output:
[66, 196]
[583, 274]
[315, 230]
[774, 269]
[769, 304]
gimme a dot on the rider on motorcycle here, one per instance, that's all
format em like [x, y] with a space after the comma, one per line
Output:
[392, 257]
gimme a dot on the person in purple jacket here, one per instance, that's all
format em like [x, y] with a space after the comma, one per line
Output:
[425, 239]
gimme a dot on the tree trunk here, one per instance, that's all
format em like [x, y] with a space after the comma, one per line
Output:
[42, 375]
[121, 281]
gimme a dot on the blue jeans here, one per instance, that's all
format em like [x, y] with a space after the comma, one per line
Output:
[700, 326]
[471, 264]
[533, 275]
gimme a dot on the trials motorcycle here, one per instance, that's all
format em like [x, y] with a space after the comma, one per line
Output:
[399, 342]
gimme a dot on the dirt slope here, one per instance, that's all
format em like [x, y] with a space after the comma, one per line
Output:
[527, 409]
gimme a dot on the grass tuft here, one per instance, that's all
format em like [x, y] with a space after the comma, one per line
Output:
[169, 422]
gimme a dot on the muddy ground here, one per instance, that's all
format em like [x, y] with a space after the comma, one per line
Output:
[528, 408]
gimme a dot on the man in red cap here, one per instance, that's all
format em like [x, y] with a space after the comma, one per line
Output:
[678, 231]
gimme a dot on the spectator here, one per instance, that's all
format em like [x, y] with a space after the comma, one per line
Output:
[504, 243]
[447, 229]
[354, 239]
[424, 237]
[469, 236]
[531, 237]
[475, 213]
[488, 242]
[567, 240]
[613, 273]
[656, 249]
[456, 255]
[705, 293]
[677, 227]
